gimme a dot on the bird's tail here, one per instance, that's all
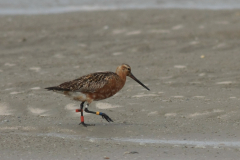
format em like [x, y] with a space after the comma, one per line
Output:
[54, 88]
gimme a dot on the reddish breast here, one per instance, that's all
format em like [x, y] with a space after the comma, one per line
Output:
[111, 88]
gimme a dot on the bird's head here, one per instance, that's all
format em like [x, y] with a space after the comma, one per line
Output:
[125, 70]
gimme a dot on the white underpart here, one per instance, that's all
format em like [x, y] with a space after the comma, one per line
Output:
[77, 94]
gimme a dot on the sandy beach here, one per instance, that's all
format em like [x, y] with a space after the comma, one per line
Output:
[188, 58]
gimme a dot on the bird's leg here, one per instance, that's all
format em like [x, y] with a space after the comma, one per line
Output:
[104, 116]
[82, 117]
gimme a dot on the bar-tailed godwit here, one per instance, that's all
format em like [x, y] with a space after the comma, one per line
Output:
[94, 87]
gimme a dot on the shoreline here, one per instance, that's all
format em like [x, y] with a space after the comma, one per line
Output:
[174, 10]
[69, 10]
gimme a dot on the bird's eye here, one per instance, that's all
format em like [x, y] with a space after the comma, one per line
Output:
[129, 69]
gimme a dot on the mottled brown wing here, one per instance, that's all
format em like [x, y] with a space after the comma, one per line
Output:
[88, 83]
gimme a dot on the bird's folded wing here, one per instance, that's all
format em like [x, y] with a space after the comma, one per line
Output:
[89, 83]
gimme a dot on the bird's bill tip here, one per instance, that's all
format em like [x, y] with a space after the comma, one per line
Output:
[134, 78]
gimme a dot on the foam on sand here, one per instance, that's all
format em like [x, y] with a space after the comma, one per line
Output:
[179, 66]
[4, 109]
[36, 69]
[194, 42]
[221, 45]
[159, 31]
[228, 115]
[10, 64]
[232, 97]
[225, 82]
[36, 111]
[145, 95]
[133, 33]
[199, 97]
[202, 74]
[101, 105]
[71, 106]
[178, 97]
[153, 113]
[197, 114]
[15, 92]
[177, 27]
[117, 53]
[170, 114]
[35, 88]
[24, 128]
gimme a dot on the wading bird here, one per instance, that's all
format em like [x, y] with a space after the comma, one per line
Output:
[94, 87]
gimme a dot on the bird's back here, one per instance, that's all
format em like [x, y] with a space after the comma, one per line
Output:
[87, 84]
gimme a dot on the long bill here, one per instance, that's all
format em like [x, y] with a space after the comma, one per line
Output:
[134, 78]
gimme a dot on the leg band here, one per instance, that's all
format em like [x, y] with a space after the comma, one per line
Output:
[82, 119]
[78, 110]
[98, 113]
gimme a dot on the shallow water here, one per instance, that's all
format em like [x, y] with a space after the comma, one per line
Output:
[60, 6]
[143, 141]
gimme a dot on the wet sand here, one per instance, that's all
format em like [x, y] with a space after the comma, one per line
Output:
[188, 58]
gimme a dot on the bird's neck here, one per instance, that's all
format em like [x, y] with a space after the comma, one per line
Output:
[122, 75]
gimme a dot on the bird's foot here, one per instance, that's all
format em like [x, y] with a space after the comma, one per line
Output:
[85, 125]
[104, 116]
